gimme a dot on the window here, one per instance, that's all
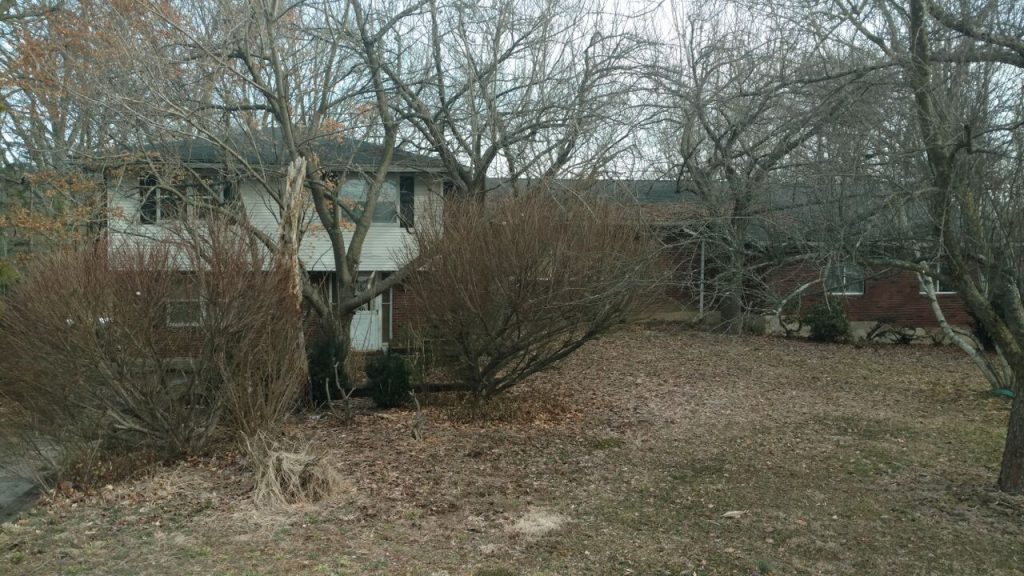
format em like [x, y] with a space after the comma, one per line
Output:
[185, 312]
[940, 286]
[157, 203]
[160, 202]
[844, 279]
[353, 195]
[407, 200]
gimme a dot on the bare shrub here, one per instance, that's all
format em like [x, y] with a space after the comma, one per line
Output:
[519, 284]
[248, 330]
[116, 354]
[89, 365]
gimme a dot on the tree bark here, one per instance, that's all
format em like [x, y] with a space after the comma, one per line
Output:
[1011, 471]
[340, 327]
[732, 309]
[288, 248]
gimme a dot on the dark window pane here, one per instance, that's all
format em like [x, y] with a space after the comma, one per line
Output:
[407, 191]
[149, 197]
[230, 192]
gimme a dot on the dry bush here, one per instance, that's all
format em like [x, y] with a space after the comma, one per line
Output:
[519, 284]
[248, 333]
[97, 374]
[87, 367]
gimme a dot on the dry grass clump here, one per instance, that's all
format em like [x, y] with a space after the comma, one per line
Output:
[288, 476]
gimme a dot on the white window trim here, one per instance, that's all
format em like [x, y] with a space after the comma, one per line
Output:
[187, 208]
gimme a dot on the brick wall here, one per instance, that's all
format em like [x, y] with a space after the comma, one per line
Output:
[892, 296]
[400, 316]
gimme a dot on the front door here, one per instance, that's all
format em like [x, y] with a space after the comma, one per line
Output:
[366, 327]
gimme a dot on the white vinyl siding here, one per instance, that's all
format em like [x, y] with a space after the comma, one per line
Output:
[384, 249]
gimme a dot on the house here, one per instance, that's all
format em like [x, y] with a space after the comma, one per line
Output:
[870, 297]
[183, 179]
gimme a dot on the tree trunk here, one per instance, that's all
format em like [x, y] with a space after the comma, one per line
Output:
[341, 331]
[288, 250]
[1011, 472]
[732, 302]
[732, 313]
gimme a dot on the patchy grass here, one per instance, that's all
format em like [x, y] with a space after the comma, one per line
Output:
[649, 452]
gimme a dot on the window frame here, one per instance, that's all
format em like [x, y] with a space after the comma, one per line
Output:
[392, 183]
[184, 198]
[844, 286]
[152, 192]
[937, 283]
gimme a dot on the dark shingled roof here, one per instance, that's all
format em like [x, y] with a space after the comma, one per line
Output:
[629, 191]
[265, 147]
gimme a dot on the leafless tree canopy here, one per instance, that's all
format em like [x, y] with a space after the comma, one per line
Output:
[942, 159]
[519, 89]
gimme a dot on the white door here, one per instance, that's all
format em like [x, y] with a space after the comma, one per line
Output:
[366, 327]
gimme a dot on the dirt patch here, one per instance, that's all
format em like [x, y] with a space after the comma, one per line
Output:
[538, 522]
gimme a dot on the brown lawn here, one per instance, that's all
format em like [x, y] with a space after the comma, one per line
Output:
[652, 451]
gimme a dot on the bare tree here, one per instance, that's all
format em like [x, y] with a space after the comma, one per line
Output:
[518, 90]
[493, 89]
[257, 85]
[951, 207]
[743, 106]
[973, 200]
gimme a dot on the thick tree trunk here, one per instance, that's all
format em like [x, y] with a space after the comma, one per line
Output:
[341, 330]
[1011, 472]
[732, 313]
[732, 303]
[288, 250]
